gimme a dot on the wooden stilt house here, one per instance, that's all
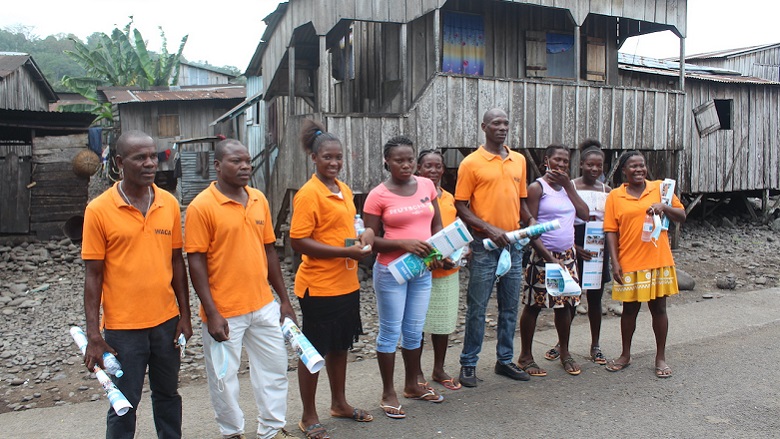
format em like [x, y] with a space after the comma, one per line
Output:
[429, 69]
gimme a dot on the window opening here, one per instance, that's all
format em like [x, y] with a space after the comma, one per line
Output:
[464, 44]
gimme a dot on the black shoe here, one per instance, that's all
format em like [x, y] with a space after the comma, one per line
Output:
[468, 376]
[511, 370]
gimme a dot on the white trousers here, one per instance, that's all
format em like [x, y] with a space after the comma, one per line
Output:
[260, 334]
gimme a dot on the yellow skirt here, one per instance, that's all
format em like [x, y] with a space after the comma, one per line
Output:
[646, 285]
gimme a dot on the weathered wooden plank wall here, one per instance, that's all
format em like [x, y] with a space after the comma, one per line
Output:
[15, 170]
[58, 193]
[20, 91]
[330, 12]
[194, 120]
[377, 63]
[542, 113]
[745, 157]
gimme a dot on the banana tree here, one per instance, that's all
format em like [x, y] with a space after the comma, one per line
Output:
[119, 60]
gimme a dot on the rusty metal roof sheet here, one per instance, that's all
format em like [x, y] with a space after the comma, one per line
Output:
[122, 95]
[672, 68]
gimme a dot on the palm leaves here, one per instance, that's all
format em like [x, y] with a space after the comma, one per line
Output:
[119, 60]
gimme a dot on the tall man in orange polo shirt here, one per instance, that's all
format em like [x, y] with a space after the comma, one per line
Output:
[230, 248]
[490, 197]
[134, 266]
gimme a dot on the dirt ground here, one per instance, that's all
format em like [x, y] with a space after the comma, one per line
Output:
[46, 370]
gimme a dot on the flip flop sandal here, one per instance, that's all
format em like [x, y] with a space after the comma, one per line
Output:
[598, 357]
[430, 396]
[661, 372]
[314, 431]
[532, 365]
[385, 408]
[552, 354]
[450, 384]
[614, 366]
[570, 361]
[358, 415]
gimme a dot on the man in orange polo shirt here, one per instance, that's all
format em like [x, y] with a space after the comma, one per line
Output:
[490, 197]
[230, 248]
[134, 266]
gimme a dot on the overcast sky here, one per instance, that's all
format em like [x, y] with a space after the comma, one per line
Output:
[228, 33]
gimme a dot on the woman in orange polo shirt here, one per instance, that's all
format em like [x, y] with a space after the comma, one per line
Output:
[327, 284]
[643, 271]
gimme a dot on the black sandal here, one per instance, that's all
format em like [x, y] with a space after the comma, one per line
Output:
[596, 356]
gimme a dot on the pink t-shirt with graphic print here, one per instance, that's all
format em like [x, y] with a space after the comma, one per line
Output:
[402, 217]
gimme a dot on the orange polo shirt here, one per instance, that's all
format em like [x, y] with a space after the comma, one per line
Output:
[624, 214]
[325, 217]
[448, 215]
[493, 186]
[136, 252]
[233, 238]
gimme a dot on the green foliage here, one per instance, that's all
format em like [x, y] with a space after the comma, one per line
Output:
[47, 52]
[121, 59]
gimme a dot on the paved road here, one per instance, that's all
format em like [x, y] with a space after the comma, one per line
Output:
[723, 352]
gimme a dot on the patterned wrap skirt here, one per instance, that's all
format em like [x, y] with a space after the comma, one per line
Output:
[443, 307]
[331, 323]
[646, 285]
[534, 288]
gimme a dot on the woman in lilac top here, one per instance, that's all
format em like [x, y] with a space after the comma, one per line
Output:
[403, 207]
[551, 197]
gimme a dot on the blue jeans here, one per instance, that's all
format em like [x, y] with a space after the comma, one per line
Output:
[137, 349]
[401, 309]
[482, 270]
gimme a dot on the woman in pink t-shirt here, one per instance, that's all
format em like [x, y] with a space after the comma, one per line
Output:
[403, 207]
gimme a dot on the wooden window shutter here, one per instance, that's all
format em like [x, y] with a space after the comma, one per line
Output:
[168, 125]
[535, 54]
[596, 59]
[706, 118]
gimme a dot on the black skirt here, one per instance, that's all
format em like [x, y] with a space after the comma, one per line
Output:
[331, 323]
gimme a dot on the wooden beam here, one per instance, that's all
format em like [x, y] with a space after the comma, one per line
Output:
[693, 204]
[534, 167]
[577, 55]
[404, 73]
[291, 80]
[437, 40]
[765, 204]
[614, 167]
[682, 64]
[749, 208]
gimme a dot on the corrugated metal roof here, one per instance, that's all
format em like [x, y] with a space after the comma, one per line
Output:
[214, 69]
[46, 120]
[121, 95]
[238, 109]
[732, 52]
[654, 66]
[271, 21]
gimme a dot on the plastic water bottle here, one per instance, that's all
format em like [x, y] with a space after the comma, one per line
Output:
[109, 360]
[112, 365]
[647, 228]
[360, 227]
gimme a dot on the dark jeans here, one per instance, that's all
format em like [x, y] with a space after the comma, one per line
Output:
[482, 278]
[138, 349]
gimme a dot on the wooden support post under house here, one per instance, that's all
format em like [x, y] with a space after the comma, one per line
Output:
[323, 77]
[291, 80]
